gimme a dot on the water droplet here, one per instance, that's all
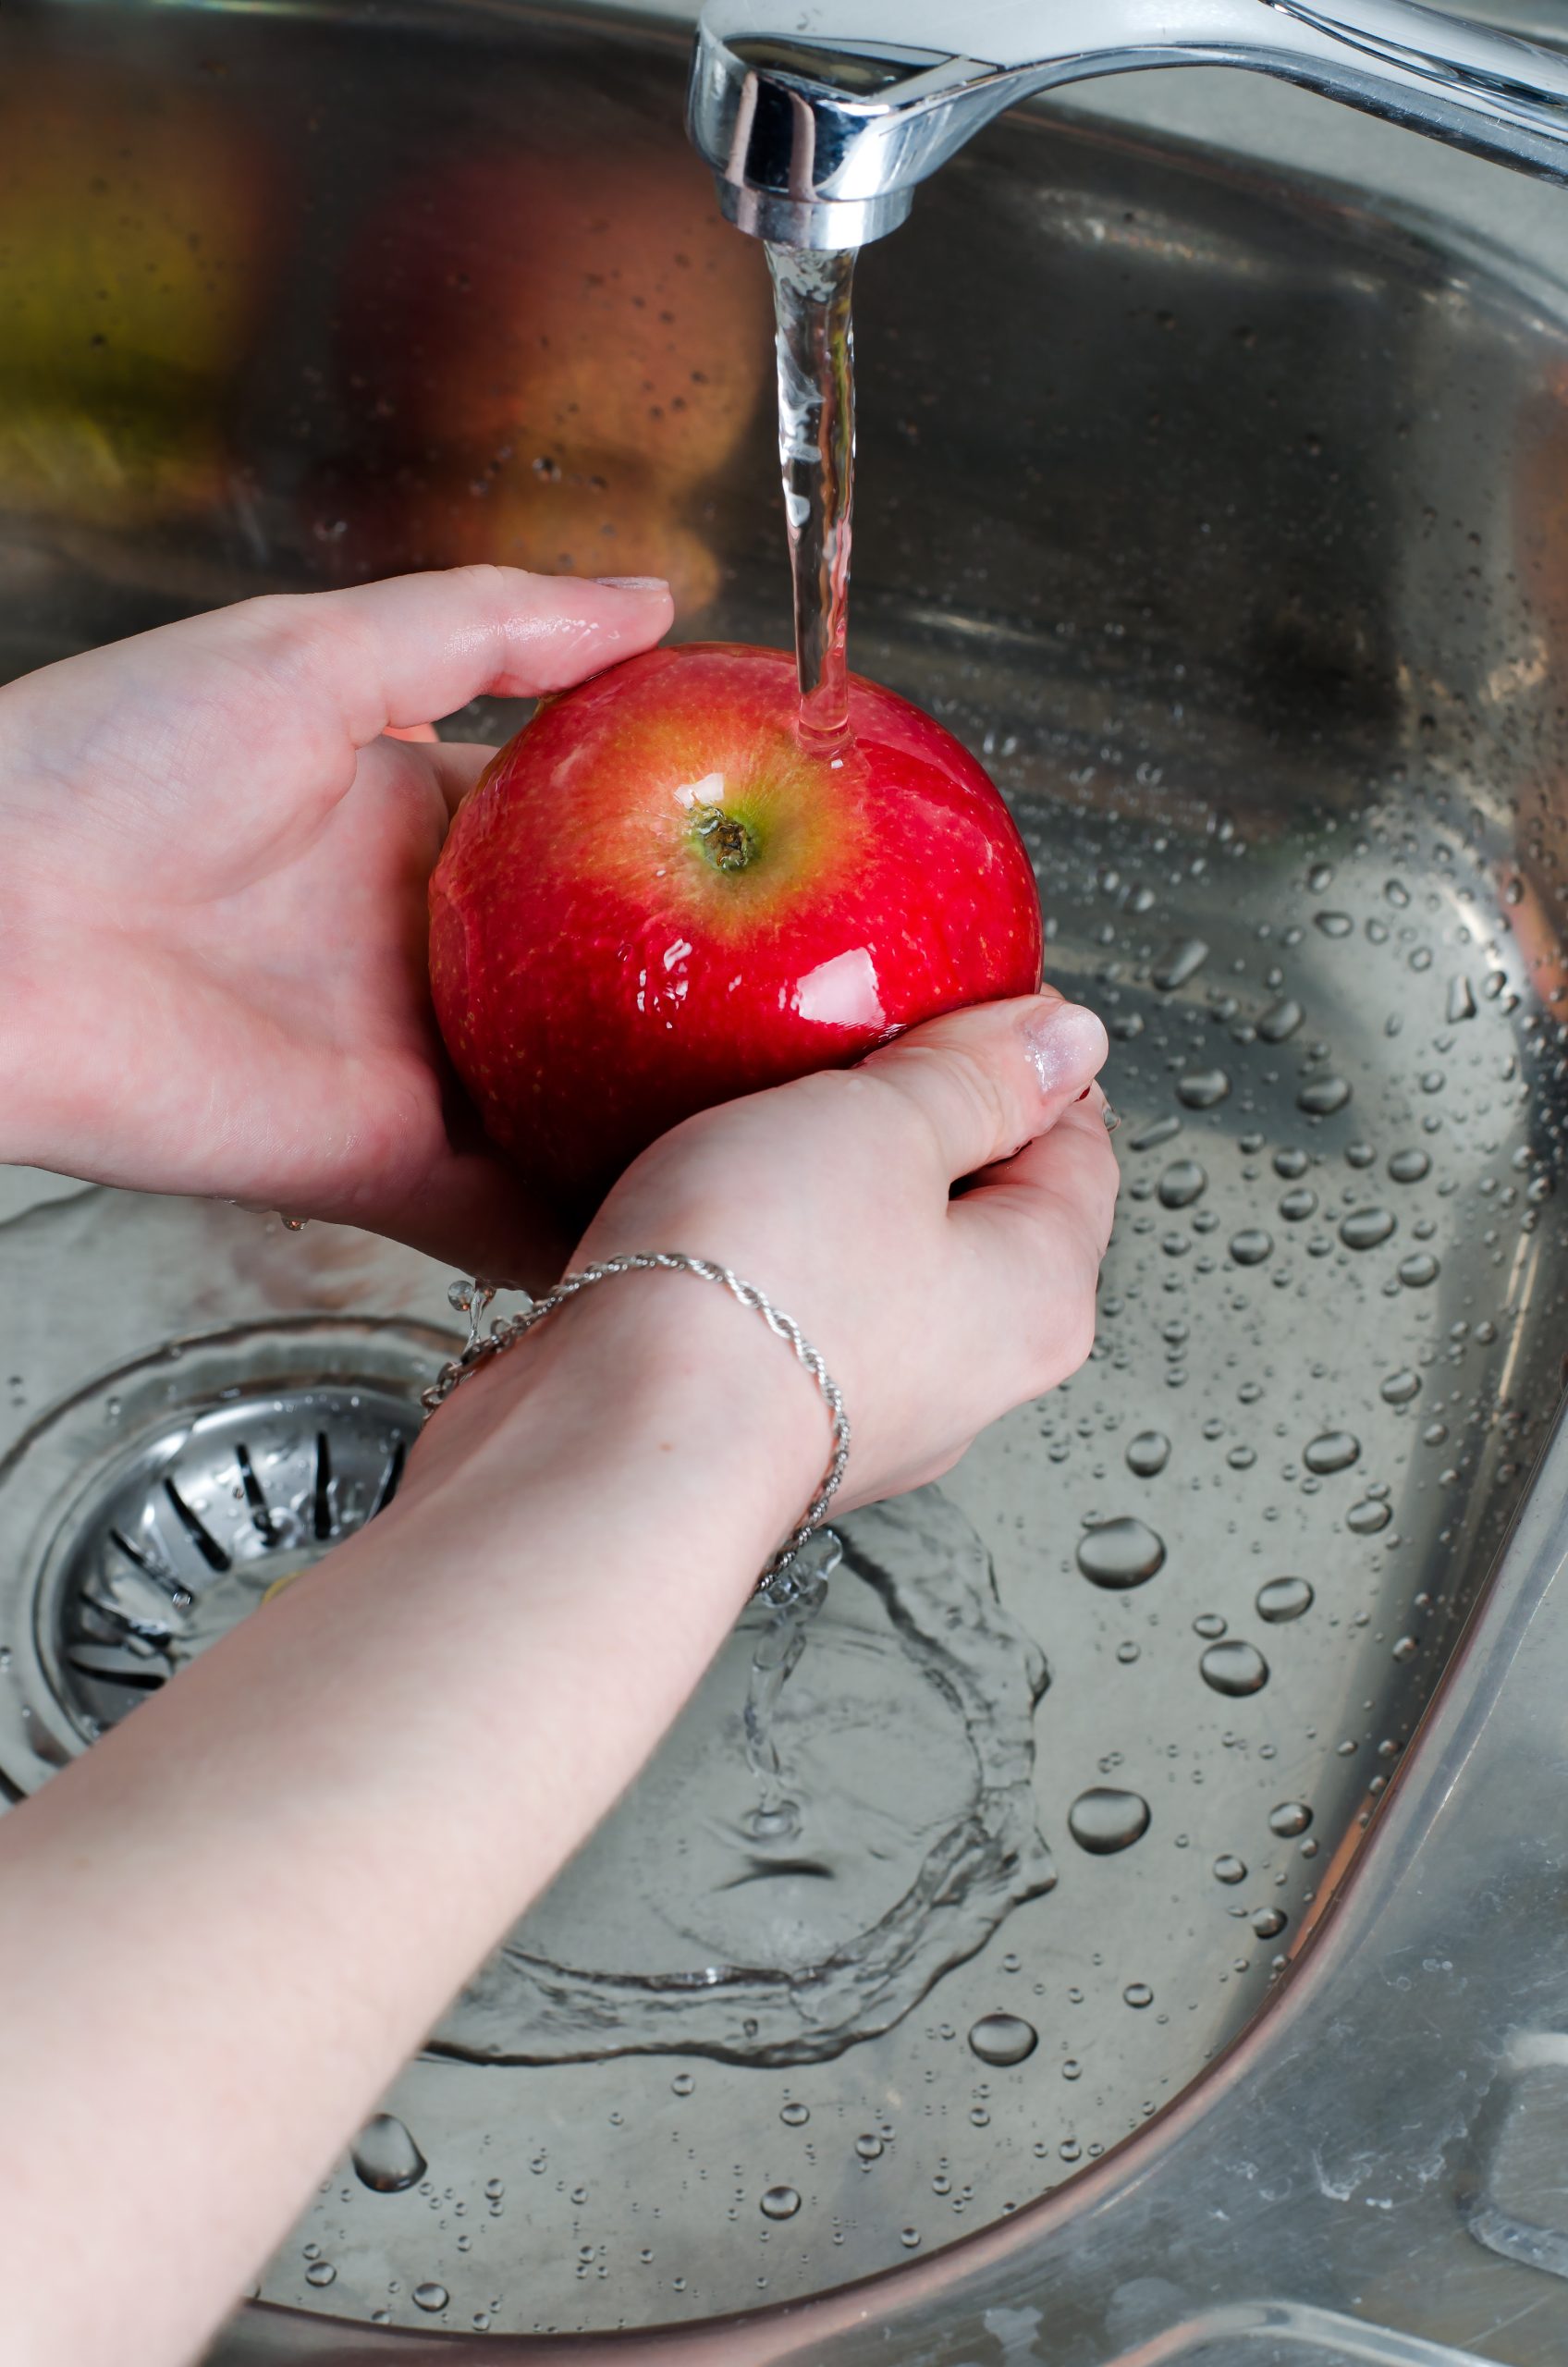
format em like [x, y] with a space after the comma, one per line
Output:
[1397, 893]
[1406, 1649]
[1281, 1020]
[1234, 1668]
[1120, 1553]
[1127, 1651]
[1203, 1088]
[781, 2202]
[1149, 1137]
[1003, 2039]
[1103, 1820]
[1291, 1162]
[1179, 962]
[869, 2147]
[1400, 1386]
[1334, 1450]
[683, 2084]
[431, 2297]
[1409, 1166]
[1416, 1271]
[794, 2115]
[1267, 1921]
[1250, 1246]
[1365, 1228]
[321, 2272]
[1228, 1869]
[1334, 924]
[1367, 1518]
[1148, 1453]
[385, 2157]
[1298, 1203]
[1137, 1994]
[1282, 1598]
[1208, 1624]
[1289, 1819]
[1321, 1096]
[1183, 1182]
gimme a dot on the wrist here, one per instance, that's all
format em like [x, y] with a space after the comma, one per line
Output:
[22, 1131]
[662, 1389]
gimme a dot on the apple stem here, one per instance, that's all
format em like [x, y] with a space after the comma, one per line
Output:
[726, 842]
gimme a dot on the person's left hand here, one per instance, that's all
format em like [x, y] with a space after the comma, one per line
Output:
[212, 899]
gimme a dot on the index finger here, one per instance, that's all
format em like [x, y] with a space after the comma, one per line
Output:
[399, 652]
[318, 672]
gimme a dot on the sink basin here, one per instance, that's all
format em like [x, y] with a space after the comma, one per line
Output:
[1220, 510]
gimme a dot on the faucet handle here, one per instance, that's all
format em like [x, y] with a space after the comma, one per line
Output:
[818, 135]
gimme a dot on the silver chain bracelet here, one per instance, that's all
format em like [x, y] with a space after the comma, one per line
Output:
[508, 1330]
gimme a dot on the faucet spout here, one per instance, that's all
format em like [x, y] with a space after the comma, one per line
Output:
[820, 135]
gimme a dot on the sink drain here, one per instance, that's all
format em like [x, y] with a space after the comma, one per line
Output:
[143, 1518]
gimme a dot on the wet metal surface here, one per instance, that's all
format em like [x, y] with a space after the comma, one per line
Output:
[1223, 521]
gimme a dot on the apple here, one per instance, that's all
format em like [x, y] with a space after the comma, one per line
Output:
[661, 894]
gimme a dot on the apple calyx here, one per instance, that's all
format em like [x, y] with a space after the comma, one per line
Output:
[725, 840]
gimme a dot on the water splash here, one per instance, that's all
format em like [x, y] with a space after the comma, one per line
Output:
[774, 1660]
[674, 1930]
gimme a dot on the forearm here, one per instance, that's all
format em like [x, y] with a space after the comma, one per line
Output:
[278, 1872]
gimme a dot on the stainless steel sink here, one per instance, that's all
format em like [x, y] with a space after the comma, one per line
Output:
[1221, 510]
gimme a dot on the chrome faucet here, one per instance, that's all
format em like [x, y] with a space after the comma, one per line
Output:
[820, 119]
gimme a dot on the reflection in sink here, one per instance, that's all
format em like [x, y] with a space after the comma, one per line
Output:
[1223, 522]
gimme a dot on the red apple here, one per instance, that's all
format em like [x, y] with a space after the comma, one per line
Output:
[660, 895]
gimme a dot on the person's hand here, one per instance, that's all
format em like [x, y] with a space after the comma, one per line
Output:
[936, 1311]
[212, 898]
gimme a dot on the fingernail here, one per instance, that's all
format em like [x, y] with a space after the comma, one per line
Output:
[633, 582]
[1065, 1043]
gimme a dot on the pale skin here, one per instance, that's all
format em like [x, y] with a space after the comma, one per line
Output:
[209, 822]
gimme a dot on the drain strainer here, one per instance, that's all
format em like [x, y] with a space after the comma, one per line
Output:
[143, 1518]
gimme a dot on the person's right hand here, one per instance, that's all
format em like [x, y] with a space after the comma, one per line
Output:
[935, 1311]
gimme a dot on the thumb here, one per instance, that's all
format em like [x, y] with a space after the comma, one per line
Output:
[989, 1079]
